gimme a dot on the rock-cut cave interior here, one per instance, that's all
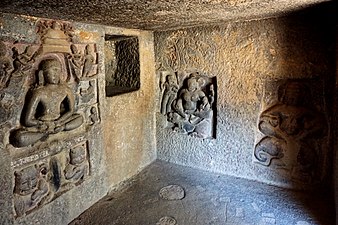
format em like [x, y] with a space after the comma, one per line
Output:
[191, 112]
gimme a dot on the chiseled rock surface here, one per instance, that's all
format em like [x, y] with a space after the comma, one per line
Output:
[155, 15]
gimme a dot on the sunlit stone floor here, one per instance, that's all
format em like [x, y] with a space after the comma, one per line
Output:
[210, 199]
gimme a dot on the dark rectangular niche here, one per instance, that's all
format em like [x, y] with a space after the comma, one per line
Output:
[122, 63]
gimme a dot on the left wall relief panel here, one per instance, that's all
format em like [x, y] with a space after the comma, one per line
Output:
[50, 125]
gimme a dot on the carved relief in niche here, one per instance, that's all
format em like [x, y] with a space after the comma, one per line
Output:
[41, 182]
[188, 102]
[31, 188]
[293, 131]
[49, 103]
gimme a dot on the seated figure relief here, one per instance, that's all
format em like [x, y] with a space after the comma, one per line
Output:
[77, 168]
[189, 108]
[31, 188]
[49, 108]
[291, 128]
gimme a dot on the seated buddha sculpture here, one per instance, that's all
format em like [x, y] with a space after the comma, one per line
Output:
[49, 109]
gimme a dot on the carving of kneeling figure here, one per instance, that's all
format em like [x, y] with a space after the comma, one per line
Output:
[50, 107]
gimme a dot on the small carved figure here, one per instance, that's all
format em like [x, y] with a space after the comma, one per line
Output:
[77, 168]
[31, 188]
[94, 115]
[89, 61]
[290, 126]
[76, 61]
[5, 66]
[189, 97]
[50, 108]
[170, 88]
[23, 61]
[88, 92]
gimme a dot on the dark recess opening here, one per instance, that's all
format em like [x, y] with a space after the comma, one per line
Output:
[122, 63]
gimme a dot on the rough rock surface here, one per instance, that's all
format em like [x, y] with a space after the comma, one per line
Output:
[172, 192]
[154, 15]
[211, 199]
[244, 56]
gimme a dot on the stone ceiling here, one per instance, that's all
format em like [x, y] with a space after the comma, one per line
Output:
[154, 14]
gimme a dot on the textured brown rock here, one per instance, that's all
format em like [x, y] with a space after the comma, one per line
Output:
[244, 57]
[53, 107]
[155, 15]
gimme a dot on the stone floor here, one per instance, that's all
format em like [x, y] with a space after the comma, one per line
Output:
[210, 199]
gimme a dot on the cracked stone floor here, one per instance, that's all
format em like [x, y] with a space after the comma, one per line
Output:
[210, 199]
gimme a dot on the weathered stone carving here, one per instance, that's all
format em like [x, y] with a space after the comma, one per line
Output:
[89, 61]
[5, 66]
[87, 92]
[170, 89]
[77, 167]
[189, 107]
[40, 183]
[31, 188]
[23, 61]
[293, 128]
[55, 36]
[50, 107]
[75, 60]
[82, 62]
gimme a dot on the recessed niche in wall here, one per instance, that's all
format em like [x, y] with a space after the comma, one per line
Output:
[122, 63]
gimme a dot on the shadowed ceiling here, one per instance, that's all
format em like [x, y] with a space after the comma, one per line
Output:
[154, 14]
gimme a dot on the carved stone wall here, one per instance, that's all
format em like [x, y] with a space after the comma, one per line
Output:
[51, 139]
[49, 103]
[295, 51]
[292, 139]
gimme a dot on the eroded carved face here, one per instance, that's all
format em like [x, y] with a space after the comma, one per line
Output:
[51, 69]
[74, 49]
[52, 75]
[77, 155]
[171, 80]
[192, 84]
[26, 180]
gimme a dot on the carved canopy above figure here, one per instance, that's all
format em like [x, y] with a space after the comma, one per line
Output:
[47, 128]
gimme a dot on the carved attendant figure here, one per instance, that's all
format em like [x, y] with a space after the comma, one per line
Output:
[76, 61]
[170, 87]
[77, 167]
[50, 107]
[21, 61]
[30, 188]
[89, 61]
[5, 66]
